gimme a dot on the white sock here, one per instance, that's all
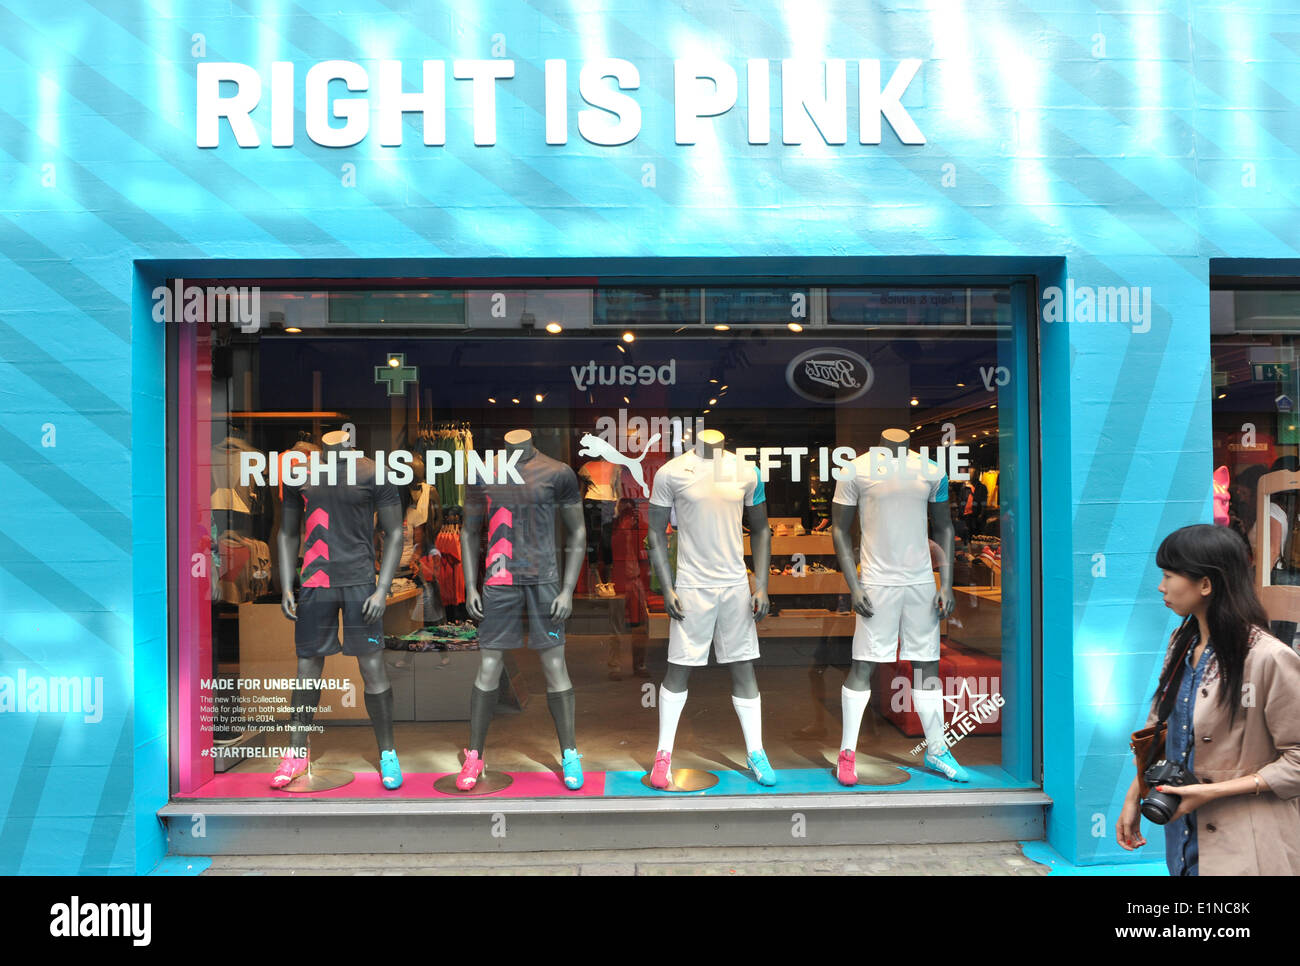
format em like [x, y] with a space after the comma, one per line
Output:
[852, 705]
[929, 708]
[750, 713]
[670, 710]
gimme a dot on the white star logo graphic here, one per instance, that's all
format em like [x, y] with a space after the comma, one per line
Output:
[973, 698]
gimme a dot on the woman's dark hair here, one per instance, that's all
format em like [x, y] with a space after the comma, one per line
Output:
[1221, 555]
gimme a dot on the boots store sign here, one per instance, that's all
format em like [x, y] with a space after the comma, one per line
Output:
[829, 375]
[796, 101]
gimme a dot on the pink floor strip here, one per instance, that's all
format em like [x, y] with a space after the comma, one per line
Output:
[526, 784]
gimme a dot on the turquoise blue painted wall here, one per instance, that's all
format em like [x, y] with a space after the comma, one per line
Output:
[1130, 147]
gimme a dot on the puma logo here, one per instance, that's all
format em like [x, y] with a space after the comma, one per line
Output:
[597, 447]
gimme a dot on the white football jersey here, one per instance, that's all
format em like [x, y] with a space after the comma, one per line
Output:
[709, 497]
[893, 496]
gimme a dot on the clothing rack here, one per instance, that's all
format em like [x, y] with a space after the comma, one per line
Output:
[450, 435]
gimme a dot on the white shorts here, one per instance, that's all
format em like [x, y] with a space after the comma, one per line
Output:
[721, 616]
[906, 612]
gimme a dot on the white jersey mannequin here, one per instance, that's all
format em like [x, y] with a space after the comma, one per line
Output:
[709, 601]
[894, 490]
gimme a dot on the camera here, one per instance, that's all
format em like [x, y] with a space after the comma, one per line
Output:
[1159, 807]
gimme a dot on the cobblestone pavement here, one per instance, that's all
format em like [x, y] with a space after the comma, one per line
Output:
[973, 858]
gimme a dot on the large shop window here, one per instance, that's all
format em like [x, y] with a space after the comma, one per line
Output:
[492, 527]
[1255, 329]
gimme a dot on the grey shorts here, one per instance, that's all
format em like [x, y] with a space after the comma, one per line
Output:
[513, 615]
[316, 631]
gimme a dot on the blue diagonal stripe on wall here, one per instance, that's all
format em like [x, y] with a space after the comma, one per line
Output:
[63, 382]
[107, 204]
[64, 595]
[243, 194]
[112, 811]
[23, 805]
[63, 278]
[69, 492]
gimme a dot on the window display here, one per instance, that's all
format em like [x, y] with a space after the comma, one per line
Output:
[524, 598]
[708, 599]
[1256, 440]
[571, 530]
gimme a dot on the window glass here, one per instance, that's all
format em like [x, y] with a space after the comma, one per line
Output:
[474, 430]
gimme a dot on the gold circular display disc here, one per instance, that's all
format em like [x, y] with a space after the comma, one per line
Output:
[875, 772]
[685, 780]
[488, 782]
[320, 780]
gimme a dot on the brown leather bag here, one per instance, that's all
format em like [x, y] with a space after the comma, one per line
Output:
[1148, 744]
[1142, 743]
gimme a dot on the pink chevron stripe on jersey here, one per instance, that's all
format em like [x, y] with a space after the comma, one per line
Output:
[501, 518]
[318, 549]
[318, 518]
[319, 579]
[502, 548]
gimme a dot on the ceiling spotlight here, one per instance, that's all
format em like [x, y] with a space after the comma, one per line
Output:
[620, 348]
[722, 328]
[491, 400]
[629, 337]
[794, 326]
[294, 328]
[554, 328]
[713, 402]
[714, 381]
[915, 401]
[961, 385]
[994, 406]
[1222, 395]
[394, 362]
[626, 400]
[540, 396]
[707, 410]
[515, 401]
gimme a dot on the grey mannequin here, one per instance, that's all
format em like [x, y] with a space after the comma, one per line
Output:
[842, 519]
[743, 682]
[374, 673]
[558, 686]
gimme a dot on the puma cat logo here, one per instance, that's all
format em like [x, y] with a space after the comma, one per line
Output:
[595, 446]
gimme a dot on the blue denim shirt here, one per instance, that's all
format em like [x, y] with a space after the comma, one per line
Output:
[1181, 854]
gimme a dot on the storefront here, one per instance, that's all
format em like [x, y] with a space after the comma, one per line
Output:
[611, 237]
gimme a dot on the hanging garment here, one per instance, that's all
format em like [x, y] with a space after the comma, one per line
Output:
[227, 491]
[245, 568]
[600, 480]
[451, 580]
[990, 480]
[412, 527]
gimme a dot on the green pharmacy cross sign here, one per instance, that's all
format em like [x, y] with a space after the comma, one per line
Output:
[397, 374]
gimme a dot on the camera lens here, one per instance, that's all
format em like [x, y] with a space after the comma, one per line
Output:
[1159, 807]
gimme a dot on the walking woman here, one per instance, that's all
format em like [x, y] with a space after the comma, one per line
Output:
[1233, 706]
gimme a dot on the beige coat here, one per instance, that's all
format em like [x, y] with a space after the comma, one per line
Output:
[1249, 834]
